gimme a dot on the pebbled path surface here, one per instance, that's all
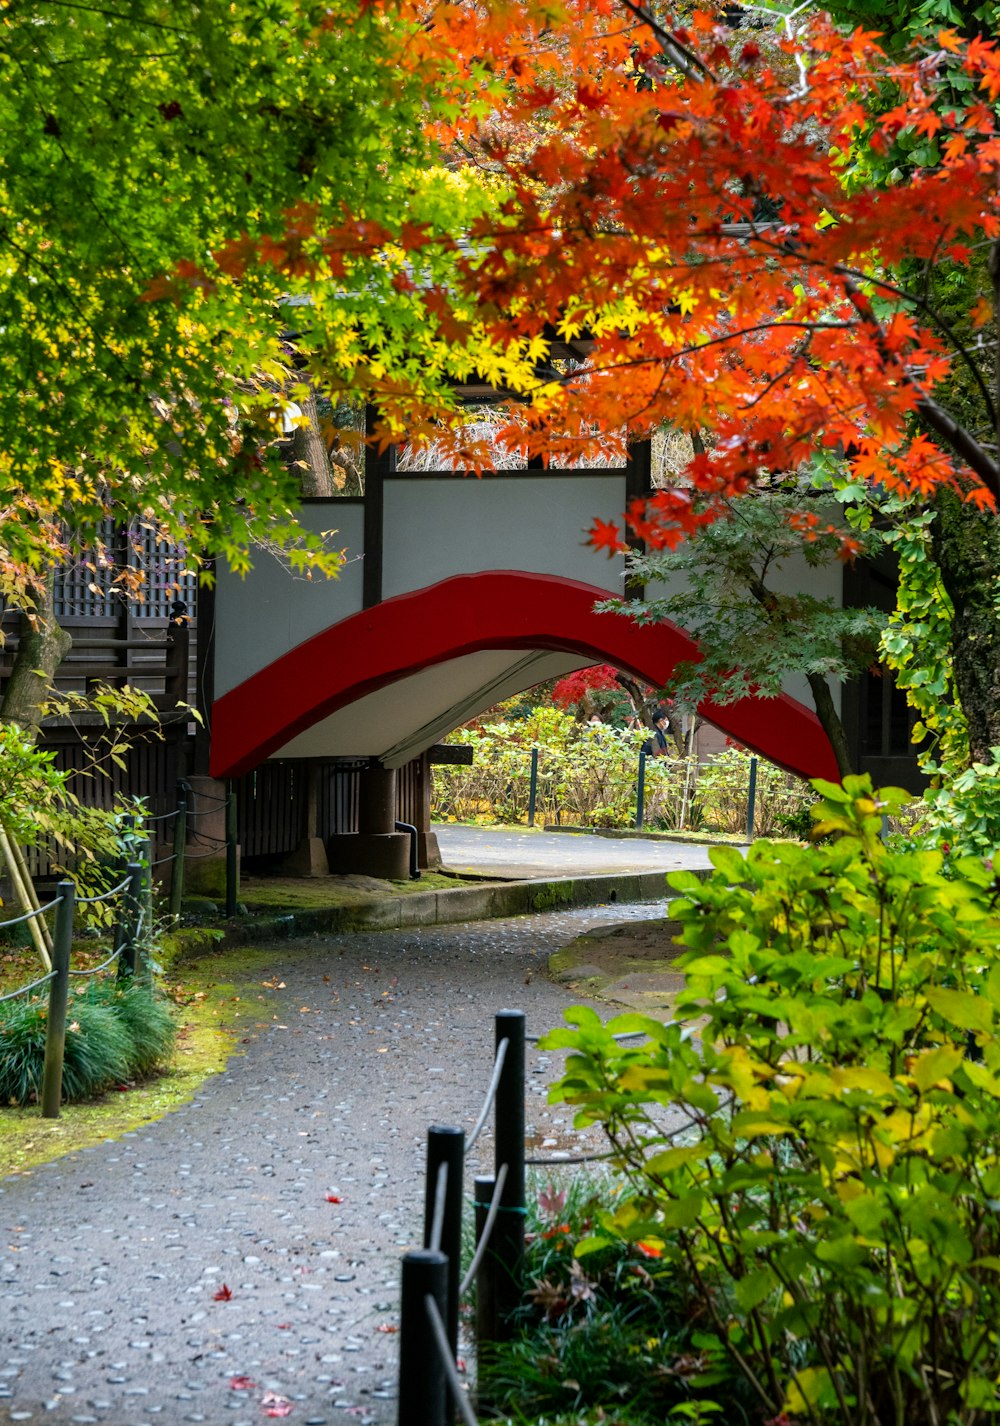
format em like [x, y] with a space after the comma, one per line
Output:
[111, 1259]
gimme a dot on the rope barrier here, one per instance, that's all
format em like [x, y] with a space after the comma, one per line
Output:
[206, 797]
[206, 837]
[103, 896]
[26, 989]
[29, 915]
[484, 1240]
[437, 1222]
[570, 1159]
[161, 817]
[625, 1035]
[451, 1372]
[96, 970]
[200, 856]
[161, 861]
[490, 1094]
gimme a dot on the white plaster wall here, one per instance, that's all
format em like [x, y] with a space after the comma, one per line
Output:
[270, 610]
[438, 528]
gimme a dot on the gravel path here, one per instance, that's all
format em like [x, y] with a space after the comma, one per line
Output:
[113, 1259]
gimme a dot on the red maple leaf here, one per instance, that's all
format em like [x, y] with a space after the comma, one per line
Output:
[333, 1198]
[606, 535]
[242, 1383]
[223, 1295]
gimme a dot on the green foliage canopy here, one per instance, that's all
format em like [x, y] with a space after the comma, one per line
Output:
[152, 151]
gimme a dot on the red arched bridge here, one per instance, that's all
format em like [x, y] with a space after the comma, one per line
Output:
[456, 593]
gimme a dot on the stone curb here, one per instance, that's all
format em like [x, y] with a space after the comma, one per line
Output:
[625, 834]
[481, 902]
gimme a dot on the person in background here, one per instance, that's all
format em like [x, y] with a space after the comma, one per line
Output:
[656, 746]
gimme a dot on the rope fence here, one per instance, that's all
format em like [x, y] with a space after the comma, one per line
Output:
[431, 1391]
[130, 922]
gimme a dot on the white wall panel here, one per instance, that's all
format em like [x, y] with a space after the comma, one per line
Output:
[436, 528]
[268, 612]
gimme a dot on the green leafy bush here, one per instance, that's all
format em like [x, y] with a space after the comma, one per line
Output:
[724, 793]
[814, 1142]
[112, 1035]
[611, 1333]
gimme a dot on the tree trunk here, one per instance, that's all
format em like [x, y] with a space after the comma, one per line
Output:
[966, 545]
[42, 646]
[826, 712]
[309, 448]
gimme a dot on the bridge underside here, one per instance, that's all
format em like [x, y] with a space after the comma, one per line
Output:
[388, 682]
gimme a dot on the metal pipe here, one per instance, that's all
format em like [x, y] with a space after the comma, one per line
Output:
[414, 866]
[640, 792]
[232, 871]
[752, 799]
[533, 787]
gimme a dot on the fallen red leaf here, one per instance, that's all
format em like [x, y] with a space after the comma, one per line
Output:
[386, 1327]
[332, 1198]
[223, 1295]
[274, 1405]
[242, 1383]
[283, 1326]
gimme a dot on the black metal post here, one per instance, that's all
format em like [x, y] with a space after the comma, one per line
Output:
[55, 1029]
[180, 850]
[533, 787]
[752, 799]
[423, 1394]
[486, 1276]
[127, 929]
[232, 873]
[508, 1233]
[446, 1151]
[144, 968]
[640, 792]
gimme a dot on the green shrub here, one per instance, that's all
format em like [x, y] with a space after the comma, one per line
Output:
[112, 1035]
[814, 1142]
[612, 1332]
[724, 792]
[147, 1021]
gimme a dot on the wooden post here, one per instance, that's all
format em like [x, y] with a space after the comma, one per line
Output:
[24, 890]
[55, 1029]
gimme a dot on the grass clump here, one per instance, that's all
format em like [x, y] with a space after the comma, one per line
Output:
[115, 1033]
[606, 1335]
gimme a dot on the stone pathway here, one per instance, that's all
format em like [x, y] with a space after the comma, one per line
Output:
[239, 1259]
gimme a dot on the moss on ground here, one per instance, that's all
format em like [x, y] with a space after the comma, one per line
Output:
[222, 1001]
[318, 893]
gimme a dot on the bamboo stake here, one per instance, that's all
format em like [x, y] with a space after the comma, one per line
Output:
[25, 892]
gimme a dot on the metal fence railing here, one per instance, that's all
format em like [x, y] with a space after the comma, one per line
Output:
[130, 924]
[431, 1390]
[191, 844]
